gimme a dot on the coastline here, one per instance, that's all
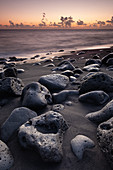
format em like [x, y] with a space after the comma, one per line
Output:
[93, 159]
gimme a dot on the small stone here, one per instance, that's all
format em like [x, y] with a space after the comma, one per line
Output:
[58, 107]
[79, 144]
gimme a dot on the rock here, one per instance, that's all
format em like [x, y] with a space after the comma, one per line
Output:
[67, 73]
[102, 115]
[105, 58]
[66, 66]
[1, 74]
[72, 79]
[44, 134]
[87, 76]
[61, 51]
[97, 81]
[68, 103]
[6, 158]
[58, 107]
[110, 68]
[76, 75]
[109, 62]
[37, 64]
[81, 52]
[2, 60]
[35, 96]
[93, 61]
[10, 72]
[63, 95]
[8, 65]
[19, 71]
[105, 139]
[49, 65]
[15, 120]
[96, 57]
[79, 144]
[94, 97]
[92, 68]
[54, 81]
[11, 86]
[78, 71]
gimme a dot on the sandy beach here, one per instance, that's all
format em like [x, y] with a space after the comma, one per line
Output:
[93, 159]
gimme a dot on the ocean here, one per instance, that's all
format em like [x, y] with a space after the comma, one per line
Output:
[27, 43]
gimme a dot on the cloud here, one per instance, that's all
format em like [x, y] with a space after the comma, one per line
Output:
[80, 22]
[101, 23]
[110, 21]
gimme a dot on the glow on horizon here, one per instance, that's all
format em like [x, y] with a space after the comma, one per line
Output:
[29, 12]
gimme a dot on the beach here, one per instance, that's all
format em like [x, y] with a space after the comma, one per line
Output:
[74, 114]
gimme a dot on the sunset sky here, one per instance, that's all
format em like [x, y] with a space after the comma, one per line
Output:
[84, 13]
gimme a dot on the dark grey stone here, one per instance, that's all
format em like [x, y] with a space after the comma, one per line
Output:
[15, 120]
[95, 97]
[54, 81]
[97, 81]
[102, 115]
[36, 96]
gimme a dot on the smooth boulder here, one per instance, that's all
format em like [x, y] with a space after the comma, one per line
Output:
[44, 134]
[97, 81]
[63, 95]
[105, 139]
[35, 96]
[95, 97]
[79, 144]
[17, 117]
[102, 115]
[54, 81]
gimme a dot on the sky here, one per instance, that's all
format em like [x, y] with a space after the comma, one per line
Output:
[56, 13]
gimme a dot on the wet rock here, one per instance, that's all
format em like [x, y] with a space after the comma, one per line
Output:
[61, 51]
[19, 71]
[36, 96]
[63, 95]
[67, 73]
[11, 86]
[49, 65]
[105, 58]
[97, 81]
[96, 56]
[105, 139]
[72, 79]
[76, 75]
[93, 61]
[66, 66]
[110, 68]
[79, 144]
[2, 60]
[44, 134]
[58, 107]
[78, 71]
[102, 115]
[68, 103]
[95, 97]
[81, 52]
[15, 120]
[6, 158]
[92, 68]
[8, 65]
[54, 81]
[37, 64]
[109, 62]
[10, 72]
